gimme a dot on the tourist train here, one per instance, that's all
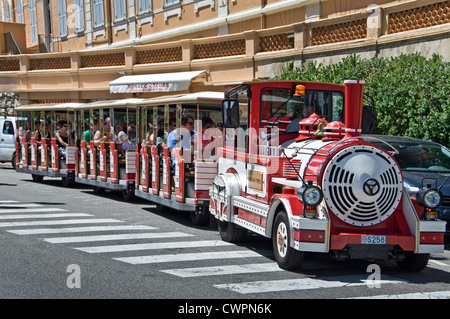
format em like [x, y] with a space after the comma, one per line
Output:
[282, 159]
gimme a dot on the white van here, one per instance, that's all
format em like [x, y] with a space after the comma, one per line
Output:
[8, 133]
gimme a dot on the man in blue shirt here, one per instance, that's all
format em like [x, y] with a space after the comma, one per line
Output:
[186, 131]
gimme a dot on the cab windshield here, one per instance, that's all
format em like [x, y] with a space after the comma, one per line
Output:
[281, 105]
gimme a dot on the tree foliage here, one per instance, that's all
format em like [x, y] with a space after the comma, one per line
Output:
[411, 92]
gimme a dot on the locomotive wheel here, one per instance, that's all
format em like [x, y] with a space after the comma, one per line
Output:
[230, 232]
[414, 262]
[287, 257]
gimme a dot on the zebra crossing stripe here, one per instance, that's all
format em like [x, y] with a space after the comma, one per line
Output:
[188, 257]
[83, 239]
[223, 270]
[150, 246]
[40, 231]
[415, 295]
[30, 210]
[438, 262]
[51, 215]
[60, 222]
[301, 284]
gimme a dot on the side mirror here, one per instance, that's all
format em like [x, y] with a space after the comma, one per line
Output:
[230, 110]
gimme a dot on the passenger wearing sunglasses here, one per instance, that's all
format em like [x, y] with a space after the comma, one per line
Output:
[62, 137]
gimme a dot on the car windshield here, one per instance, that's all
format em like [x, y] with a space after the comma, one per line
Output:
[421, 156]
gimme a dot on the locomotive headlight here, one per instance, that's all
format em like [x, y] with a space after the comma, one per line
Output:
[430, 198]
[309, 194]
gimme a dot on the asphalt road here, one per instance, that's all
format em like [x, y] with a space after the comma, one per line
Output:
[65, 243]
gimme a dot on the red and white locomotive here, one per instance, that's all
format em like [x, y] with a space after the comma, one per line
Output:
[313, 185]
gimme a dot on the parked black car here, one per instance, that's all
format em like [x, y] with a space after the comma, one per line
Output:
[422, 163]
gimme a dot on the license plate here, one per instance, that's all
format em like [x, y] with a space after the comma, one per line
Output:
[373, 239]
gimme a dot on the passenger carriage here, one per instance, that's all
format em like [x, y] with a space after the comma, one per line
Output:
[179, 179]
[41, 158]
[106, 165]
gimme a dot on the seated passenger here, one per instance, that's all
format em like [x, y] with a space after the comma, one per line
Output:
[210, 136]
[121, 138]
[159, 127]
[37, 133]
[186, 134]
[146, 142]
[28, 137]
[160, 142]
[48, 130]
[294, 126]
[124, 140]
[131, 136]
[28, 132]
[171, 128]
[19, 140]
[103, 134]
[87, 134]
[62, 138]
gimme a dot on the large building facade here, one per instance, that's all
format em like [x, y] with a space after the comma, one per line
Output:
[70, 50]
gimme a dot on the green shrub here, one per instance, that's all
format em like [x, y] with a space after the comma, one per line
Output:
[411, 93]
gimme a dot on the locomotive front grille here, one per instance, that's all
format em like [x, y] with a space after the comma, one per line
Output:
[362, 185]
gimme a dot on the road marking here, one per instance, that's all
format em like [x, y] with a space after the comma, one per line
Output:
[17, 204]
[438, 262]
[224, 270]
[300, 284]
[39, 231]
[30, 210]
[415, 295]
[61, 222]
[189, 257]
[83, 239]
[150, 246]
[51, 215]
